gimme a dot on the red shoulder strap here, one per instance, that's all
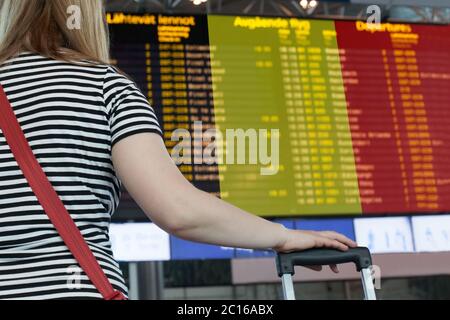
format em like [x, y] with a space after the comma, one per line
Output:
[49, 200]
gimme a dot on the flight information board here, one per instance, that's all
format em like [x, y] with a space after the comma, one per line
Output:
[360, 112]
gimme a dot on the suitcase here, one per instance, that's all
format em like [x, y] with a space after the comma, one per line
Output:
[360, 256]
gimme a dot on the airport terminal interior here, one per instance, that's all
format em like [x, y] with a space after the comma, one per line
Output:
[357, 91]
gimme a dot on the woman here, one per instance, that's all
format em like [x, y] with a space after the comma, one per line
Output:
[90, 128]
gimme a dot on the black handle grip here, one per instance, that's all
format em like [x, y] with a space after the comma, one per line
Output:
[286, 262]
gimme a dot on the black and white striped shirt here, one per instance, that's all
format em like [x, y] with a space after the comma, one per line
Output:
[71, 115]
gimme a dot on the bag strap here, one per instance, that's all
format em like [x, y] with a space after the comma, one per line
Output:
[50, 202]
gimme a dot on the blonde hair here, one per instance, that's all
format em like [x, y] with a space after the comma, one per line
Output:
[41, 26]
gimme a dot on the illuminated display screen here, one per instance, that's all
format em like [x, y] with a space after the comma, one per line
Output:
[385, 235]
[431, 233]
[187, 250]
[341, 225]
[133, 242]
[361, 113]
[139, 242]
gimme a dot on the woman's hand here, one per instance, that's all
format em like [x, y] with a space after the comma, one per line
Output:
[298, 240]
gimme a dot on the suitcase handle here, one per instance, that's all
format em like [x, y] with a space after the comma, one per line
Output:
[286, 262]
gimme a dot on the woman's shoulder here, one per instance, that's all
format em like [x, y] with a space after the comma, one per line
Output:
[117, 79]
[31, 57]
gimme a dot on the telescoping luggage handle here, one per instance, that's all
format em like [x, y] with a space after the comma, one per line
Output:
[360, 256]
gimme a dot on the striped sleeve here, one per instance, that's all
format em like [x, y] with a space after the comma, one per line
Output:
[128, 109]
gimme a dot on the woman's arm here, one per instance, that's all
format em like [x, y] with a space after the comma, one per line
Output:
[155, 183]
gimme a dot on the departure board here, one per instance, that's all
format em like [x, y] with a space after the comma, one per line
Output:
[338, 117]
